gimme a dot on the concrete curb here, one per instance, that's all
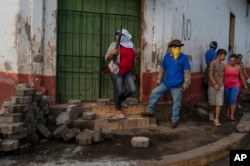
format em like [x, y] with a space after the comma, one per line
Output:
[199, 156]
[206, 154]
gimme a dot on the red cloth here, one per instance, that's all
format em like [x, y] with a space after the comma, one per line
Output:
[231, 78]
[127, 56]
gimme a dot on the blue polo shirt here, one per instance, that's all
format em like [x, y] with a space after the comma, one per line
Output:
[210, 55]
[174, 70]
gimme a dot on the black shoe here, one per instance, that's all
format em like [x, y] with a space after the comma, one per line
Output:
[173, 124]
[146, 114]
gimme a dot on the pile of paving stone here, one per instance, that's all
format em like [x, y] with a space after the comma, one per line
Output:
[27, 119]
[23, 118]
[76, 122]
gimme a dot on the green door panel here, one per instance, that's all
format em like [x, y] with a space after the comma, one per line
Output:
[85, 30]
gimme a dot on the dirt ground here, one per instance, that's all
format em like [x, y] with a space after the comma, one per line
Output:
[192, 131]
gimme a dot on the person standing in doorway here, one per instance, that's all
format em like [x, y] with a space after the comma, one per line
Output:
[174, 76]
[215, 86]
[210, 55]
[121, 58]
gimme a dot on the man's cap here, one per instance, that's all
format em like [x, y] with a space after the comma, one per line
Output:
[175, 42]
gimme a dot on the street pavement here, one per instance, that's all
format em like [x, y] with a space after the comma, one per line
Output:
[195, 141]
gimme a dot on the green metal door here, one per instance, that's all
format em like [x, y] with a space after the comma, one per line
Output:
[85, 30]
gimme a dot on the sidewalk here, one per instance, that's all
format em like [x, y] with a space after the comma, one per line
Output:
[194, 142]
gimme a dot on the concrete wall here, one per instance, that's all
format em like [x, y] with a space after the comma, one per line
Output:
[196, 23]
[28, 39]
[28, 45]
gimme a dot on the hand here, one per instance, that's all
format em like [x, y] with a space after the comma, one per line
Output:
[157, 83]
[183, 88]
[216, 87]
[115, 52]
[143, 43]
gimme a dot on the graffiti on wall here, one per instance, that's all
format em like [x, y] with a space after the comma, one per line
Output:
[186, 28]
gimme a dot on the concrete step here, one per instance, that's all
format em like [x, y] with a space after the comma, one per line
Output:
[105, 115]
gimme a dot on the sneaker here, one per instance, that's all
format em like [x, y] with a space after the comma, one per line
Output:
[124, 104]
[217, 122]
[147, 114]
[173, 124]
[120, 116]
[211, 116]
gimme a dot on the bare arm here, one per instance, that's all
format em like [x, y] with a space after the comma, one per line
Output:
[211, 78]
[160, 76]
[112, 51]
[187, 80]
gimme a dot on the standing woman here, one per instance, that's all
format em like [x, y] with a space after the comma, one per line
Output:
[232, 74]
[121, 63]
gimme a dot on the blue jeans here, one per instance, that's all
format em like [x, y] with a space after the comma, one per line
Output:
[177, 99]
[230, 95]
[118, 82]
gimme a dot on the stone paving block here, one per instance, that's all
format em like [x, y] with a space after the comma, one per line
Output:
[63, 118]
[25, 92]
[9, 145]
[102, 102]
[18, 108]
[21, 86]
[85, 137]
[88, 115]
[44, 131]
[2, 111]
[60, 131]
[11, 117]
[42, 103]
[135, 122]
[21, 99]
[46, 98]
[73, 111]
[107, 134]
[20, 135]
[132, 101]
[71, 133]
[12, 128]
[97, 134]
[33, 105]
[29, 116]
[39, 115]
[55, 110]
[5, 107]
[75, 102]
[42, 121]
[38, 96]
[45, 109]
[140, 142]
[83, 124]
[84, 109]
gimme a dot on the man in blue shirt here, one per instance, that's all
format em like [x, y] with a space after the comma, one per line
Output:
[174, 76]
[210, 55]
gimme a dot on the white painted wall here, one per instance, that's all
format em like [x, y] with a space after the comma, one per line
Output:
[8, 34]
[204, 21]
[28, 33]
[28, 36]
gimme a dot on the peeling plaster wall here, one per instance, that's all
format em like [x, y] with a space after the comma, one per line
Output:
[9, 20]
[196, 23]
[50, 26]
[28, 36]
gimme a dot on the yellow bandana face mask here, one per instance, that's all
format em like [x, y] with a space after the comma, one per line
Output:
[176, 52]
